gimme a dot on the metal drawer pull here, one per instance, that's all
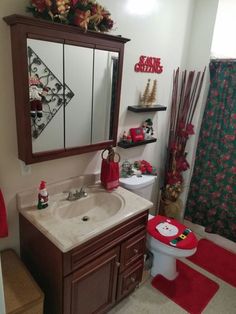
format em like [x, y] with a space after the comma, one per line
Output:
[135, 251]
[132, 279]
[117, 264]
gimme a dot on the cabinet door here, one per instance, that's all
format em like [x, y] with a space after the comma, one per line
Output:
[92, 289]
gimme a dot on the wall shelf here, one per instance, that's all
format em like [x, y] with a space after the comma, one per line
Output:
[132, 144]
[146, 109]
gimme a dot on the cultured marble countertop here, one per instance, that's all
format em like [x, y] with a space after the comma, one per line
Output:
[68, 233]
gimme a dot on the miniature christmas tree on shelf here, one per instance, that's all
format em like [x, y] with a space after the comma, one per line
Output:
[144, 97]
[148, 98]
[152, 96]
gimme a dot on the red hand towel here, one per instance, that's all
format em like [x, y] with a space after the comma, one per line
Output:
[3, 218]
[110, 174]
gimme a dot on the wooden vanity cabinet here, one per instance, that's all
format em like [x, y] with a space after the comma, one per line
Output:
[92, 277]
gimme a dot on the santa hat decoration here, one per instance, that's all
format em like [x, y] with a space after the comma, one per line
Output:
[42, 185]
[34, 80]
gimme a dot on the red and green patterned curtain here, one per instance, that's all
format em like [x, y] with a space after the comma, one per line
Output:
[212, 196]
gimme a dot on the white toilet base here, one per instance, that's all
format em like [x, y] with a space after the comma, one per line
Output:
[164, 265]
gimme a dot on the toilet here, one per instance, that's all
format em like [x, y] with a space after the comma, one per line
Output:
[143, 185]
[167, 238]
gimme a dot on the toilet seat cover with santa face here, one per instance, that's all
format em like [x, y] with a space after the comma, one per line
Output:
[171, 232]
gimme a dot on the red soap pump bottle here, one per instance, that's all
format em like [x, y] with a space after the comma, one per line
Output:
[42, 196]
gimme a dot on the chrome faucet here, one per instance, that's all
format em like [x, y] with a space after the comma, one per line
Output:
[77, 195]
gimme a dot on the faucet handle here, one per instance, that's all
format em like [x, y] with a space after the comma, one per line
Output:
[82, 192]
[70, 196]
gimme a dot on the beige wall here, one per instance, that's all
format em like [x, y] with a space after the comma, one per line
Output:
[11, 178]
[163, 33]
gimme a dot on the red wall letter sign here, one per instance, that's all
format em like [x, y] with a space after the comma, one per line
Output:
[148, 64]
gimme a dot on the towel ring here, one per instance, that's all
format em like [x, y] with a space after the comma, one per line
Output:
[111, 154]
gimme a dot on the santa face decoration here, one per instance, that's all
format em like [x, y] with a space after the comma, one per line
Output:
[166, 229]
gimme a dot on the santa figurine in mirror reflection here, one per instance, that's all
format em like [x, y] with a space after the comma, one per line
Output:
[36, 94]
[42, 196]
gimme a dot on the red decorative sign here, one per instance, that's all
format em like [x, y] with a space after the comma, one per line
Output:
[148, 64]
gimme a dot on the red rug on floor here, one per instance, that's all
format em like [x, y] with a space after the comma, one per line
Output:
[217, 260]
[190, 290]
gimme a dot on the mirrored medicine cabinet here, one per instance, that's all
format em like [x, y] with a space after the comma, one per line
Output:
[67, 88]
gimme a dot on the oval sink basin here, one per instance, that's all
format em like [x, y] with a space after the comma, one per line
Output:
[94, 207]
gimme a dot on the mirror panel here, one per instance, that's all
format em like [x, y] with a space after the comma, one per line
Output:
[78, 113]
[103, 90]
[46, 94]
[75, 89]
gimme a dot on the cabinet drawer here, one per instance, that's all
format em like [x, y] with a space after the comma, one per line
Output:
[129, 279]
[133, 249]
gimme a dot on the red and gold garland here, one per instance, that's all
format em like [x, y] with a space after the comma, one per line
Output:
[87, 14]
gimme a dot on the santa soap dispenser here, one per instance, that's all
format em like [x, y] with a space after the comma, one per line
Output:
[42, 196]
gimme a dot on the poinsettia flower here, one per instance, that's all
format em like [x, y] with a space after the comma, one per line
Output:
[74, 2]
[229, 188]
[230, 137]
[173, 178]
[211, 212]
[182, 133]
[181, 163]
[190, 129]
[233, 169]
[181, 125]
[215, 194]
[149, 168]
[143, 168]
[174, 146]
[108, 22]
[40, 5]
[220, 176]
[81, 18]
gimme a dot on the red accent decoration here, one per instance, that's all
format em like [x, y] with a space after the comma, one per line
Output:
[110, 174]
[217, 260]
[137, 134]
[3, 218]
[42, 185]
[190, 242]
[191, 290]
[149, 64]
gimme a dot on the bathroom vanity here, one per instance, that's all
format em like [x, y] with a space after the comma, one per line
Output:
[85, 266]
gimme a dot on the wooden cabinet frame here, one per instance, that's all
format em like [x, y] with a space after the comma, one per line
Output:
[23, 27]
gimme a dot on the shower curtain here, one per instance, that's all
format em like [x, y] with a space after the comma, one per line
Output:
[212, 196]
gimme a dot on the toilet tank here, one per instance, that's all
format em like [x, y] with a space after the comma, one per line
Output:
[144, 186]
